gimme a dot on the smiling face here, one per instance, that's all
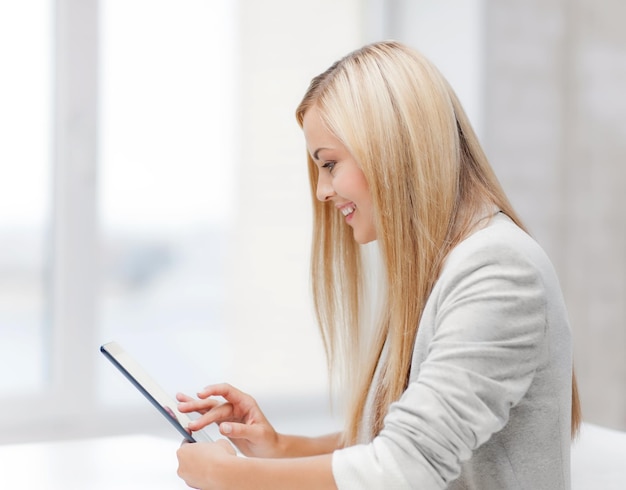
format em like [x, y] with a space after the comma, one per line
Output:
[340, 181]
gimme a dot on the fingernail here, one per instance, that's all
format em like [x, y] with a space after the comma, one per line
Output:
[226, 428]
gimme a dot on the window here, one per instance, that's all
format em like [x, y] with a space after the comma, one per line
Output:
[117, 204]
[25, 99]
[167, 170]
[116, 128]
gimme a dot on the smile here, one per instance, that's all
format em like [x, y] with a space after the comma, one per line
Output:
[347, 210]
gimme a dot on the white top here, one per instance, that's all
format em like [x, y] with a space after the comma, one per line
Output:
[489, 399]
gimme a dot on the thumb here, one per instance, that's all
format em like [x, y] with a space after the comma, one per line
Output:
[234, 430]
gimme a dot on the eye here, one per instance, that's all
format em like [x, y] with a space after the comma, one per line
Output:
[330, 166]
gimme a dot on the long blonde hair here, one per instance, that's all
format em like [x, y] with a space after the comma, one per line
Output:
[429, 181]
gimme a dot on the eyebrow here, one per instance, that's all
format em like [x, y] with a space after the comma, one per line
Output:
[315, 153]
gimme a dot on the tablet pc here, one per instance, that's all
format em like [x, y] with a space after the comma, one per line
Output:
[159, 398]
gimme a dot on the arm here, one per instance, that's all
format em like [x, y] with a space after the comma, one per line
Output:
[214, 466]
[300, 446]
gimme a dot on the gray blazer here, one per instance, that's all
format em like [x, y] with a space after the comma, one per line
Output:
[489, 399]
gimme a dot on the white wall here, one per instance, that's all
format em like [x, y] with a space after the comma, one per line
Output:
[556, 131]
[543, 84]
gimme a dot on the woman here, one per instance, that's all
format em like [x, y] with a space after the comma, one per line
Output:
[467, 381]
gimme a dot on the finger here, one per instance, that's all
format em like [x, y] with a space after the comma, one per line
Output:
[201, 406]
[182, 397]
[235, 430]
[228, 392]
[218, 414]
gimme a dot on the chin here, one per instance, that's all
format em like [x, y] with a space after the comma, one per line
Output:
[364, 239]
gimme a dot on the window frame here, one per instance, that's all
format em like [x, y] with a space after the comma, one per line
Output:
[68, 406]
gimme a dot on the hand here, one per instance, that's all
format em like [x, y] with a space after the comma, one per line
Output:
[239, 418]
[204, 465]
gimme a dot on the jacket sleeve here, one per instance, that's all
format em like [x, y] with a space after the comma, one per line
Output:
[489, 328]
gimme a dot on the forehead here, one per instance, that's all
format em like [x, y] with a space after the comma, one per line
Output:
[316, 131]
[312, 122]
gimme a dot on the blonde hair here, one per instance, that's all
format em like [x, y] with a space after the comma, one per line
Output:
[429, 181]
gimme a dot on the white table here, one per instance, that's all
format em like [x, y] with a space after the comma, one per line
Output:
[146, 462]
[599, 459]
[114, 463]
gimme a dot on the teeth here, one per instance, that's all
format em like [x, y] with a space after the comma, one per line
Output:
[347, 210]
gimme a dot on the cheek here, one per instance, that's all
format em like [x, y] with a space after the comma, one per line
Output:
[355, 184]
[362, 190]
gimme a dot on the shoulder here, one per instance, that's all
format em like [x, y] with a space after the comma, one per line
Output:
[502, 243]
[497, 261]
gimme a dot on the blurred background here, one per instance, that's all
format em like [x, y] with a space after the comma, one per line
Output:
[153, 189]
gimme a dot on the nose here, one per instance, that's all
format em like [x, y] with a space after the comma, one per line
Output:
[325, 190]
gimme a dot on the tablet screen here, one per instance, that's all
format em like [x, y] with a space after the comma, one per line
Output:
[163, 402]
